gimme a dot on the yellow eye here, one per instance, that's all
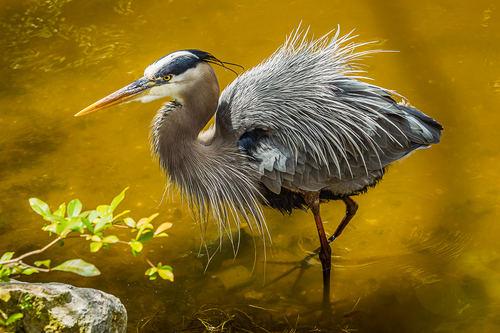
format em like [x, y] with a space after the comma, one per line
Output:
[167, 78]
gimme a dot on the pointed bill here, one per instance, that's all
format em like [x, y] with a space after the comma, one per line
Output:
[126, 94]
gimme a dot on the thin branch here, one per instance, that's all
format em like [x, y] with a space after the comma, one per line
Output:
[120, 226]
[150, 263]
[18, 259]
[46, 270]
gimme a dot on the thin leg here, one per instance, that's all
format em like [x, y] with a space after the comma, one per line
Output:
[325, 254]
[312, 200]
[351, 208]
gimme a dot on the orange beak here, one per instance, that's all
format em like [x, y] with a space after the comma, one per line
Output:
[126, 94]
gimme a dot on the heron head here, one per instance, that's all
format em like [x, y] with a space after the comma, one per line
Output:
[170, 76]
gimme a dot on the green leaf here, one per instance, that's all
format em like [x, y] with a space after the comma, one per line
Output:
[94, 246]
[121, 214]
[7, 256]
[16, 269]
[146, 237]
[76, 224]
[79, 267]
[95, 238]
[166, 274]
[5, 272]
[56, 219]
[136, 246]
[94, 215]
[84, 214]
[161, 235]
[102, 222]
[50, 228]
[111, 239]
[63, 225]
[39, 206]
[74, 208]
[13, 318]
[60, 211]
[102, 208]
[116, 201]
[151, 271]
[167, 267]
[87, 223]
[130, 222]
[144, 223]
[29, 271]
[45, 263]
[152, 217]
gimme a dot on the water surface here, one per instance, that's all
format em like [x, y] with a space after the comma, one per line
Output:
[422, 253]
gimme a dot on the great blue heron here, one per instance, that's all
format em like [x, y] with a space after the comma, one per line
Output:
[295, 130]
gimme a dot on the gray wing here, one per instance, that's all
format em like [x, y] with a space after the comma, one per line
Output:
[348, 170]
[307, 125]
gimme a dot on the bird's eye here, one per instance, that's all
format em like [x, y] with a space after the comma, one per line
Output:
[167, 78]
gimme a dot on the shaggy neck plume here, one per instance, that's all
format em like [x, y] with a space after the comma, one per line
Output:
[211, 174]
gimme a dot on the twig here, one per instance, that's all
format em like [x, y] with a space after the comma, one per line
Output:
[120, 226]
[150, 263]
[18, 259]
[46, 270]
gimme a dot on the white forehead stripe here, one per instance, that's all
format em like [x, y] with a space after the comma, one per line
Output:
[155, 67]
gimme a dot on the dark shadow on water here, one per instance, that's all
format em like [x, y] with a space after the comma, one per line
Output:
[410, 296]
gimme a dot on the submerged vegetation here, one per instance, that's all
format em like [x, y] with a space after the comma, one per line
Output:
[242, 318]
[93, 226]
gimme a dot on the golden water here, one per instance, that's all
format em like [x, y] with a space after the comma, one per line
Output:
[421, 255]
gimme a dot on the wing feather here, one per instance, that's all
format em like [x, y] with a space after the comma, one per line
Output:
[323, 126]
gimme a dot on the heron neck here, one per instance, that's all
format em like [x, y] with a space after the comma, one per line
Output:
[198, 101]
[209, 171]
[195, 112]
[178, 124]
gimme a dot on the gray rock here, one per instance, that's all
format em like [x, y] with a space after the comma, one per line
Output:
[57, 307]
